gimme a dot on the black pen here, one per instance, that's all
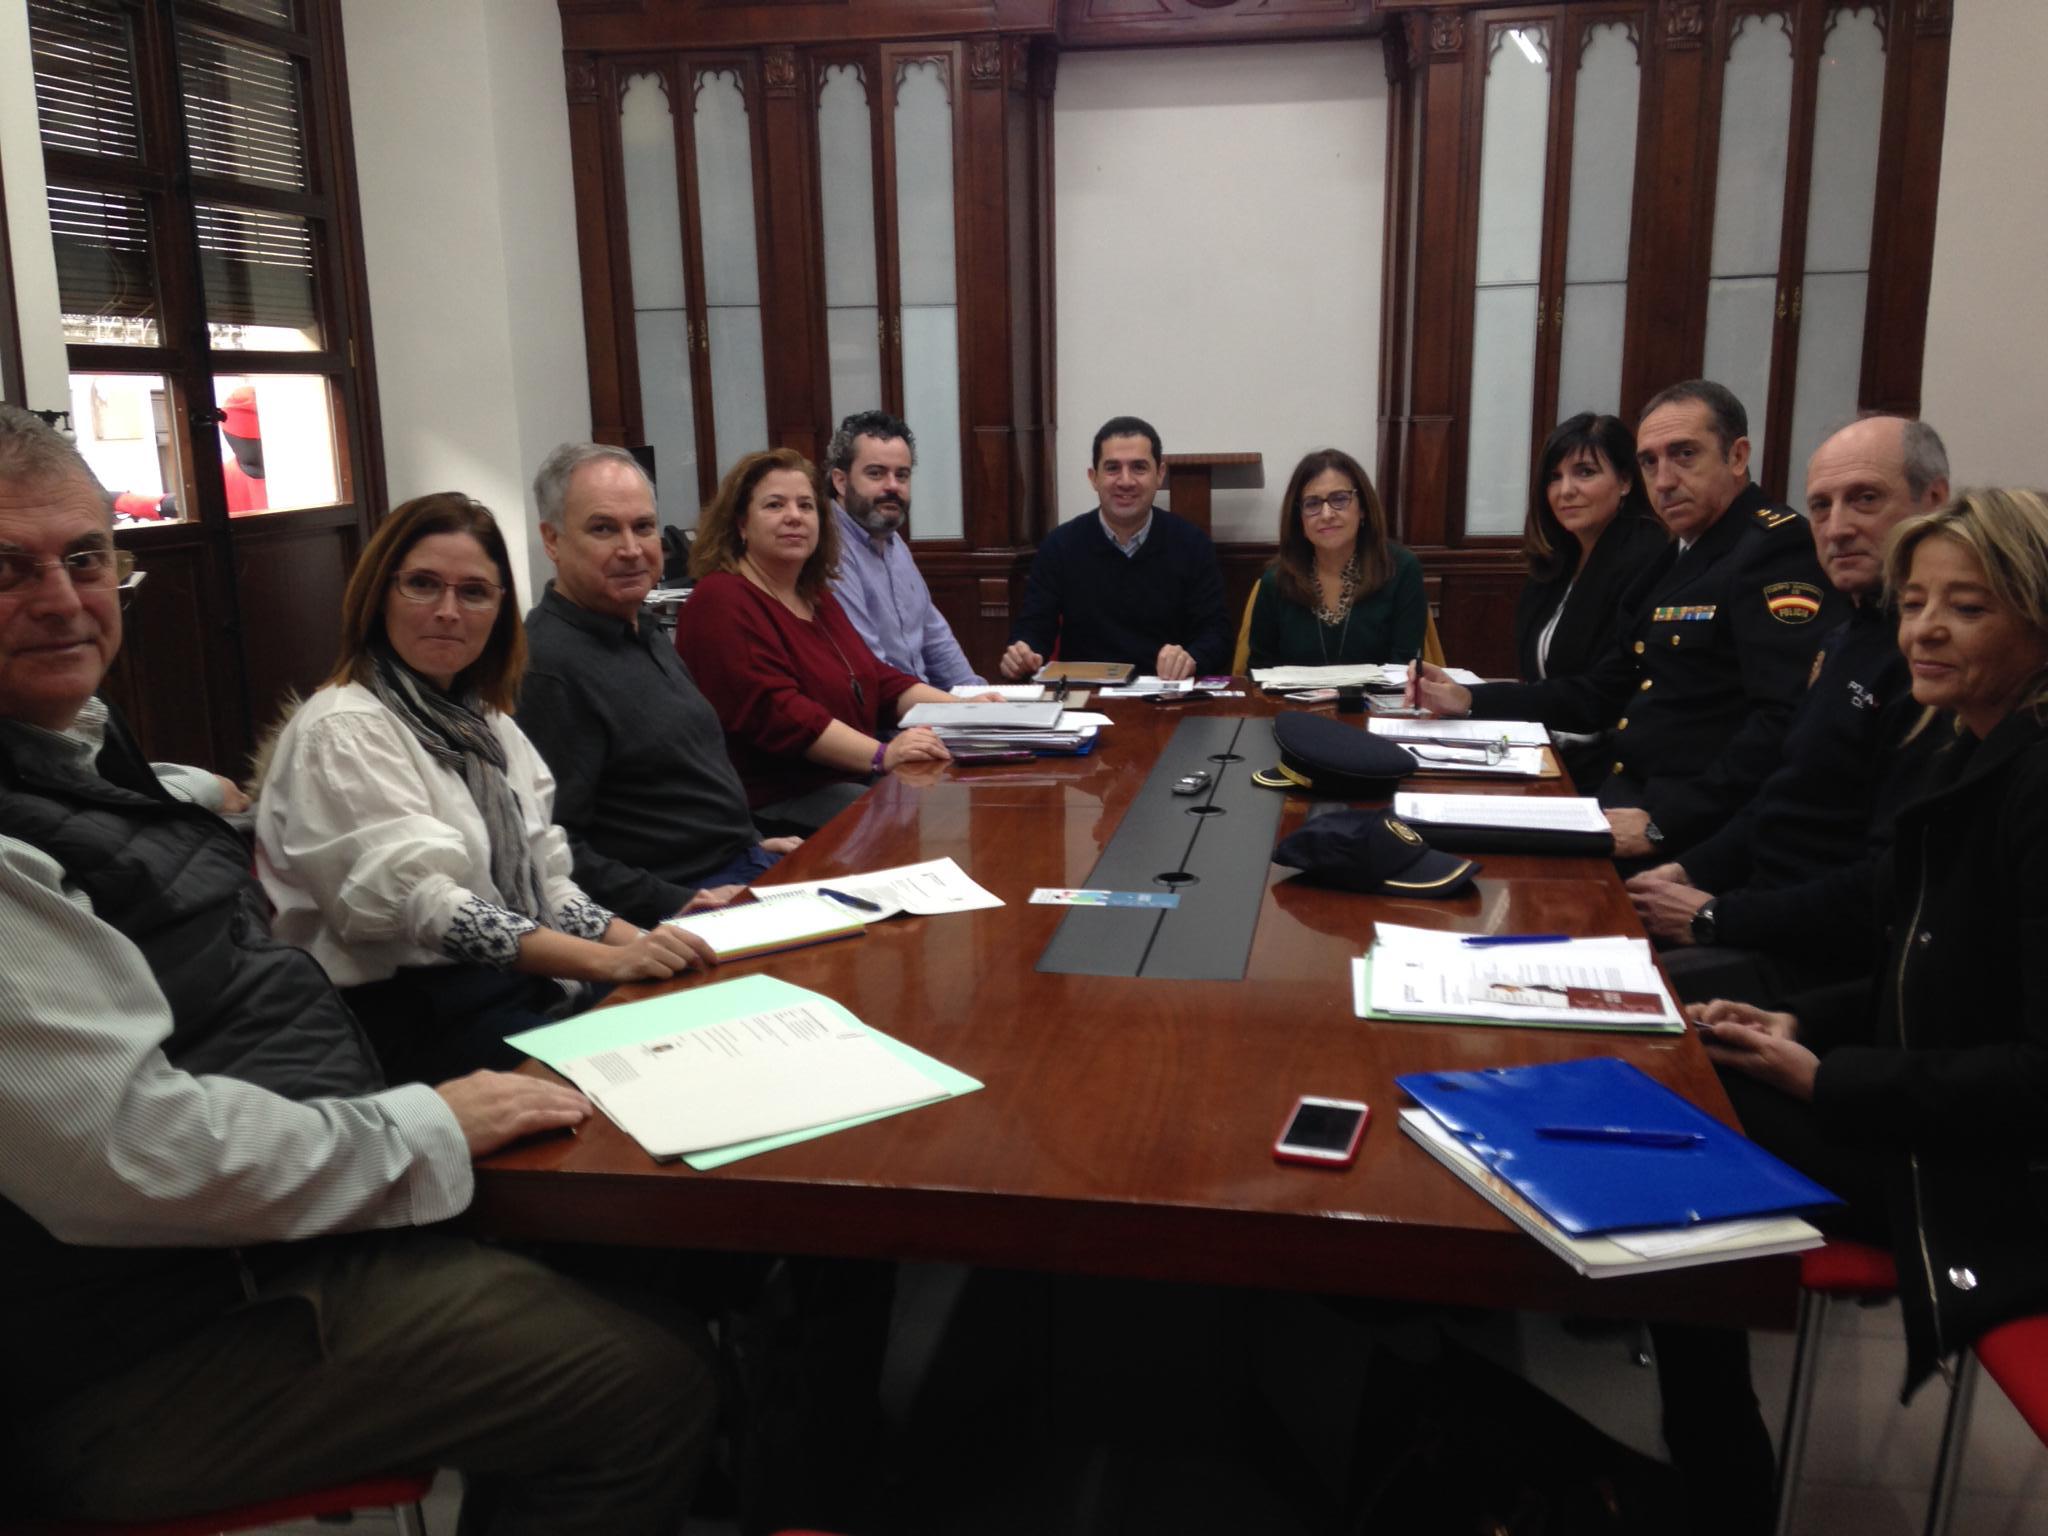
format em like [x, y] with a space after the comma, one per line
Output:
[850, 899]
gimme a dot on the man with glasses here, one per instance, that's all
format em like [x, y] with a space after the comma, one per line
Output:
[1132, 583]
[870, 459]
[208, 1198]
[656, 817]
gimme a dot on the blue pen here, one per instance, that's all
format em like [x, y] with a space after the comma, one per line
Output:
[1491, 940]
[1622, 1135]
[849, 899]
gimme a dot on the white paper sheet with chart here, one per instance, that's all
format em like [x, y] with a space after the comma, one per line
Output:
[785, 1069]
[1420, 972]
[924, 890]
[1547, 813]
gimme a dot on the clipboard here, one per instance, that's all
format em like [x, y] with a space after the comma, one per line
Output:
[1093, 673]
[1590, 1186]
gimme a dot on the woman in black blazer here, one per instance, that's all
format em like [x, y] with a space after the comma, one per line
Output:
[1590, 533]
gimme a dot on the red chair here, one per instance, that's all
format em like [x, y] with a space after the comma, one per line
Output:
[2016, 1356]
[400, 1495]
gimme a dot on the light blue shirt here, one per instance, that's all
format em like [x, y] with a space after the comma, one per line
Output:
[891, 607]
[1137, 539]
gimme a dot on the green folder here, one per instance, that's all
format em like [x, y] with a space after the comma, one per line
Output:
[675, 1013]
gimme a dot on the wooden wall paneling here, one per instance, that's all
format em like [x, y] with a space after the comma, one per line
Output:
[1909, 169]
[1566, 27]
[172, 676]
[1808, 22]
[1155, 23]
[290, 574]
[1024, 294]
[981, 209]
[689, 73]
[1475, 615]
[791, 252]
[1674, 205]
[605, 253]
[1397, 245]
[1035, 519]
[975, 590]
[616, 25]
[1440, 339]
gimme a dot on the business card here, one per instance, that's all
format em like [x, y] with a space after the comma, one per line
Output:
[1065, 896]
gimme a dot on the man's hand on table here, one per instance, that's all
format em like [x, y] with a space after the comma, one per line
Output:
[495, 1109]
[1664, 899]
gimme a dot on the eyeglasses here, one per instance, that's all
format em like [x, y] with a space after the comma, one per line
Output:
[1478, 752]
[1336, 501]
[93, 570]
[426, 587]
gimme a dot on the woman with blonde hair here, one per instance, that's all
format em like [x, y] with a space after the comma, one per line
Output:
[807, 709]
[404, 828]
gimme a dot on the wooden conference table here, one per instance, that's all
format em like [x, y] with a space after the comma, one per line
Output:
[1126, 1123]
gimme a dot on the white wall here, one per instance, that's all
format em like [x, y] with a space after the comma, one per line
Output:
[462, 160]
[44, 364]
[1984, 384]
[1218, 215]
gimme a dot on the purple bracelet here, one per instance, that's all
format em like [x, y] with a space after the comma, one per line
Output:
[881, 749]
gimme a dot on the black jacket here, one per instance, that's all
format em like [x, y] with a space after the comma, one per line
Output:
[1585, 633]
[1713, 654]
[1939, 1064]
[1096, 603]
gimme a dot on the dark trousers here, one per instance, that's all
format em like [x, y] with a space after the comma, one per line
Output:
[566, 1412]
[430, 1023]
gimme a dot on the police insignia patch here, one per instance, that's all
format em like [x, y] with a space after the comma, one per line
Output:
[1792, 602]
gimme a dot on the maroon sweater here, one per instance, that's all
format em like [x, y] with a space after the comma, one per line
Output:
[777, 681]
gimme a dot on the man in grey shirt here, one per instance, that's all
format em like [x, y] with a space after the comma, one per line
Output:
[654, 811]
[208, 1196]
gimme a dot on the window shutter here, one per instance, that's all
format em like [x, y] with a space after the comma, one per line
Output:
[85, 78]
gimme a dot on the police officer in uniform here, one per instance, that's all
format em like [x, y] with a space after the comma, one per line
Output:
[1747, 908]
[1715, 641]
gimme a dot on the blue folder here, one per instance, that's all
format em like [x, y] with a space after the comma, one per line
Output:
[1591, 1186]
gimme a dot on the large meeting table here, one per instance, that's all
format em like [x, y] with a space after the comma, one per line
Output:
[1126, 1123]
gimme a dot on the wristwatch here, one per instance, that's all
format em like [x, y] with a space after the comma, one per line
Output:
[1703, 921]
[1653, 834]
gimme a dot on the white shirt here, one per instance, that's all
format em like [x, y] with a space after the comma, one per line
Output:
[103, 1141]
[368, 847]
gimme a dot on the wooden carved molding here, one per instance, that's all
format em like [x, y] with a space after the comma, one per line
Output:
[1537, 34]
[713, 72]
[1880, 15]
[778, 70]
[1045, 69]
[580, 69]
[1934, 18]
[621, 78]
[985, 62]
[944, 66]
[1685, 24]
[1017, 63]
[1627, 24]
[1446, 32]
[821, 77]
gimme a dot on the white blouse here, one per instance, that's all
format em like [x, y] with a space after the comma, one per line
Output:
[375, 855]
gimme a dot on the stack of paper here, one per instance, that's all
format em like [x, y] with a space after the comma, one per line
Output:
[1420, 975]
[923, 890]
[1010, 693]
[749, 928]
[1386, 677]
[716, 1073]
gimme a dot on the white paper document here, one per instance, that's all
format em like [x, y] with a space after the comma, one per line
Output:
[1427, 974]
[763, 1075]
[1145, 687]
[759, 928]
[1014, 693]
[1480, 733]
[925, 890]
[1547, 813]
[1381, 675]
[1041, 716]
[1449, 757]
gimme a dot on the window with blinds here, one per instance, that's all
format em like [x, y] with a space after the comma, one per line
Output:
[192, 272]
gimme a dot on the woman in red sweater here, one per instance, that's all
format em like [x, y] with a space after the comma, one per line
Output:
[801, 697]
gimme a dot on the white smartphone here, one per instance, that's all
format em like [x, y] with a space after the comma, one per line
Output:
[1322, 1132]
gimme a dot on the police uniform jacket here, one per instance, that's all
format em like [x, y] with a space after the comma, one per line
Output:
[1939, 1064]
[1714, 653]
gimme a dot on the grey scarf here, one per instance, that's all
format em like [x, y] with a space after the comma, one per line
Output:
[456, 735]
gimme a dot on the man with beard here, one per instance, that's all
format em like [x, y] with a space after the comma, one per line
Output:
[870, 459]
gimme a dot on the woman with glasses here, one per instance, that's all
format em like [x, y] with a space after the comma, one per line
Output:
[404, 829]
[1340, 591]
[806, 706]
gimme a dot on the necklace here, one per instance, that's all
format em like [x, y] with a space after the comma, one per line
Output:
[1326, 619]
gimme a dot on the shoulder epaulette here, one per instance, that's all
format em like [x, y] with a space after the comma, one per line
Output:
[1771, 517]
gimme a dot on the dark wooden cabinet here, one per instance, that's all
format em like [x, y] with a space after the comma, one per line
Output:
[1761, 202]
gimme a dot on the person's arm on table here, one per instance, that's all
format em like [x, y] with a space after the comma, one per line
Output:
[104, 1142]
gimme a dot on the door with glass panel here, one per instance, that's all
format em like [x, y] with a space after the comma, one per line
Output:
[887, 141]
[688, 169]
[1801, 102]
[1558, 93]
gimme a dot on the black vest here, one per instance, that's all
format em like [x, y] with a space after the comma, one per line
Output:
[175, 880]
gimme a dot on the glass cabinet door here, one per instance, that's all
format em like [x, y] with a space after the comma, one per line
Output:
[1743, 292]
[847, 196]
[1606, 93]
[1507, 302]
[721, 131]
[663, 331]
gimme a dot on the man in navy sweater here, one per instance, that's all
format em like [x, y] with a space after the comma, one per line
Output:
[1130, 582]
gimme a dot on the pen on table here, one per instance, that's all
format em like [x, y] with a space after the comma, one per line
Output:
[1492, 940]
[1412, 695]
[1621, 1134]
[850, 899]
